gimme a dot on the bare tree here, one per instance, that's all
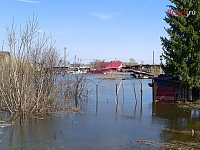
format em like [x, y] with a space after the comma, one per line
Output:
[98, 64]
[131, 62]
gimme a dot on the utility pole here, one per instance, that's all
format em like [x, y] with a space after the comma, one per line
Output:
[65, 48]
[78, 62]
[153, 65]
[74, 61]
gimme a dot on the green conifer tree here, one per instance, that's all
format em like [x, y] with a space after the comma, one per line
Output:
[181, 49]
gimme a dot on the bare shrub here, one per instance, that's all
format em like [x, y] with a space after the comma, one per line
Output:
[74, 89]
[27, 78]
[28, 82]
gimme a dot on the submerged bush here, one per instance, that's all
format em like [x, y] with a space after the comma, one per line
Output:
[26, 75]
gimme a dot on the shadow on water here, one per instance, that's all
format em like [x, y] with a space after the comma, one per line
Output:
[105, 125]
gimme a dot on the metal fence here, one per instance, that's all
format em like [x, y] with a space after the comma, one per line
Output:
[115, 90]
[74, 90]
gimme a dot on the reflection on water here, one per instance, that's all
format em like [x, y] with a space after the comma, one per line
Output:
[107, 129]
[180, 123]
[104, 125]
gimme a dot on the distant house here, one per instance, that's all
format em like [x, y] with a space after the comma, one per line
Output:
[4, 56]
[104, 67]
[113, 66]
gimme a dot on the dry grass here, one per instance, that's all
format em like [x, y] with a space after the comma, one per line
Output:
[178, 145]
[189, 105]
[171, 145]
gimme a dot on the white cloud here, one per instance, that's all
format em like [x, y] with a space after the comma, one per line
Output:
[29, 1]
[103, 15]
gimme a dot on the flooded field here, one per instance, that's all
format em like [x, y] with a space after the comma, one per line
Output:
[103, 124]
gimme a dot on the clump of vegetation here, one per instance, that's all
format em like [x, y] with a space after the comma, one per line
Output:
[180, 145]
[27, 79]
[28, 83]
[189, 105]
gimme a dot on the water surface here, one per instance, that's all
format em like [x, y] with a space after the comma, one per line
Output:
[105, 125]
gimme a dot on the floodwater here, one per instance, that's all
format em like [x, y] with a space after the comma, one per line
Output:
[103, 124]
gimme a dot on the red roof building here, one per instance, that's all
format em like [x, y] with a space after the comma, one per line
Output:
[113, 66]
[104, 67]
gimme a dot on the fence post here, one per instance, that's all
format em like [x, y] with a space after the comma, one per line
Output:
[116, 94]
[141, 91]
[154, 93]
[87, 94]
[97, 93]
[135, 92]
[96, 98]
[123, 90]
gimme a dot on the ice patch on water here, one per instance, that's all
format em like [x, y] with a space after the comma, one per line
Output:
[5, 125]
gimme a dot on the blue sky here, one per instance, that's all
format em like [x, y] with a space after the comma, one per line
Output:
[95, 29]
